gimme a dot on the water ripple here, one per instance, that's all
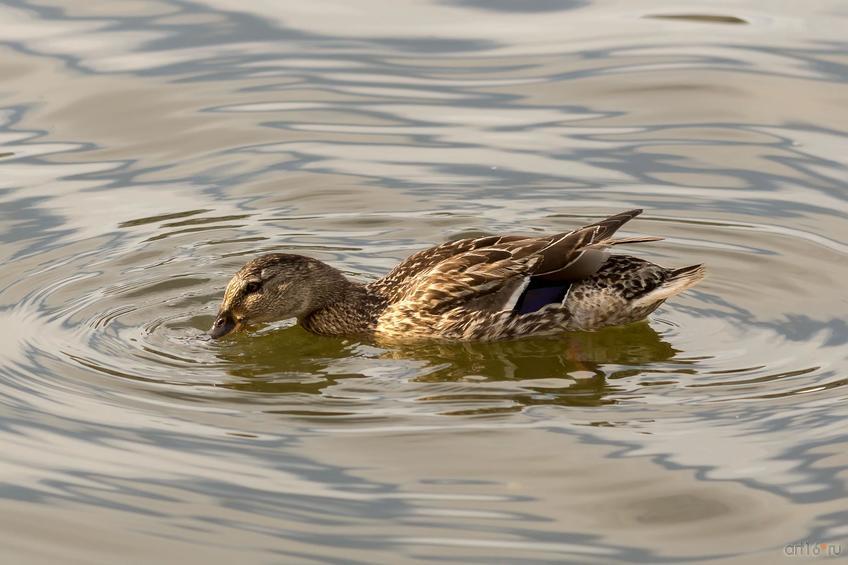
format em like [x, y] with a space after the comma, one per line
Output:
[149, 149]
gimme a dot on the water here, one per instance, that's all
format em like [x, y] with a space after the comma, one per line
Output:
[150, 148]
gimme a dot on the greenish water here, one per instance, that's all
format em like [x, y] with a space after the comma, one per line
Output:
[148, 149]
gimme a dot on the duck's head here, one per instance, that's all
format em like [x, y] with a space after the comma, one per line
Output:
[275, 287]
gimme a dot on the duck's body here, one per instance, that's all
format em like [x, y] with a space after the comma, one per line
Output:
[489, 288]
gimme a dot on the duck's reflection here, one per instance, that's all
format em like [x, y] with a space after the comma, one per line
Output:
[578, 369]
[283, 361]
[575, 369]
[637, 344]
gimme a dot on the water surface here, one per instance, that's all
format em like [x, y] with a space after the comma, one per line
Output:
[148, 149]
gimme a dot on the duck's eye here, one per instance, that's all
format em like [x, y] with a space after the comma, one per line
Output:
[252, 286]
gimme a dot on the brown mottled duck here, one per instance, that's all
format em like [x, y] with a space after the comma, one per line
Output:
[486, 288]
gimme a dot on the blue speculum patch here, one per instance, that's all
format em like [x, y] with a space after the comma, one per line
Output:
[539, 294]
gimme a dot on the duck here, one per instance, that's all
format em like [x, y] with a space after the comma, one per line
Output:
[497, 287]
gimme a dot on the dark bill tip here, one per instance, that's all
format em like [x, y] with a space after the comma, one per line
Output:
[223, 325]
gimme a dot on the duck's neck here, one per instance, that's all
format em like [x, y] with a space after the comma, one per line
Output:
[354, 310]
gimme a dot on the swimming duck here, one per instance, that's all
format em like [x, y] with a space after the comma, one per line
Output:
[486, 288]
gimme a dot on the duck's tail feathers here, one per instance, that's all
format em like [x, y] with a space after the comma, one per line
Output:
[606, 243]
[680, 280]
[636, 239]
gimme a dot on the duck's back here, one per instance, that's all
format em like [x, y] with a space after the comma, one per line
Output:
[401, 280]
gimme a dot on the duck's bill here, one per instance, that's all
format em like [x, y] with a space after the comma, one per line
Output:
[223, 325]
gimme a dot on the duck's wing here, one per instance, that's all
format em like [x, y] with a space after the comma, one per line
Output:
[398, 282]
[477, 280]
[494, 277]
